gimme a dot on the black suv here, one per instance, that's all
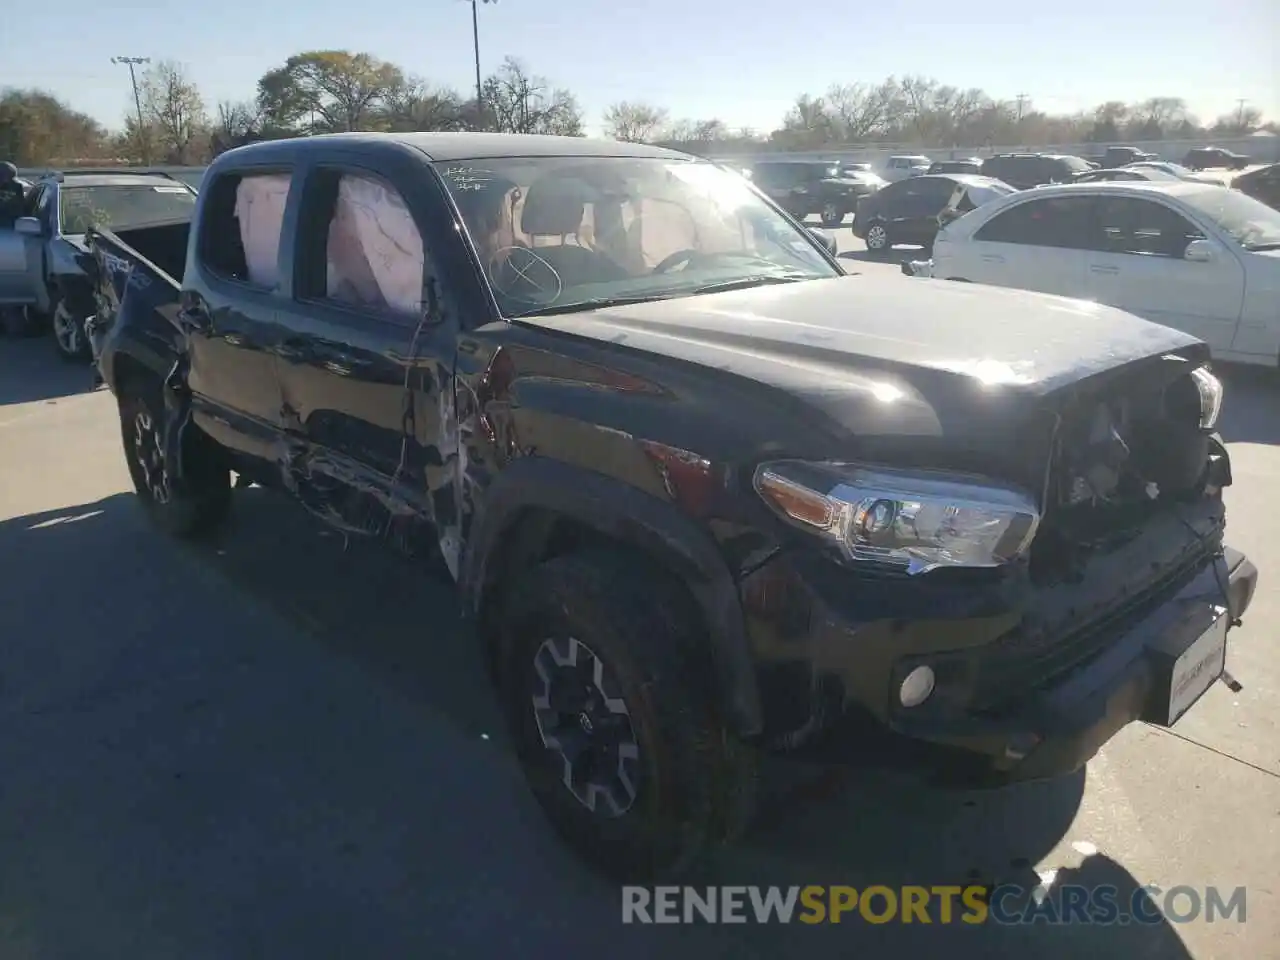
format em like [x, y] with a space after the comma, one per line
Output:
[702, 494]
[803, 188]
[1207, 158]
[1026, 170]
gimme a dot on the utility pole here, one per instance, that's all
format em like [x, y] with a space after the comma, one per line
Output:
[143, 139]
[1021, 98]
[1240, 113]
[475, 36]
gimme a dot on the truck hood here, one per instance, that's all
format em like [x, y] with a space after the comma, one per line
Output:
[881, 356]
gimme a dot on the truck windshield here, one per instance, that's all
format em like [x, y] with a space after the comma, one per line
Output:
[561, 233]
[119, 207]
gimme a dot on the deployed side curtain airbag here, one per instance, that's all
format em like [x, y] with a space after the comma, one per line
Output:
[376, 255]
[260, 204]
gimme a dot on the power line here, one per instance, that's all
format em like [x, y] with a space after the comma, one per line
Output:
[143, 139]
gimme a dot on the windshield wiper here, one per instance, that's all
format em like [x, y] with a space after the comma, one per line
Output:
[1258, 247]
[744, 283]
[595, 303]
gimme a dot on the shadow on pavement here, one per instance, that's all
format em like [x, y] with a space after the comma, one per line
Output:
[896, 255]
[1250, 405]
[30, 371]
[272, 746]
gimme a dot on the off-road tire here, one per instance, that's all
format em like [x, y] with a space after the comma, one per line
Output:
[697, 783]
[196, 505]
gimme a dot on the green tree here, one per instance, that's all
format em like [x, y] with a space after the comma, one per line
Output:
[38, 129]
[327, 90]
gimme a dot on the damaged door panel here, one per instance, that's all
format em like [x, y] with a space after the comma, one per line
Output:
[366, 369]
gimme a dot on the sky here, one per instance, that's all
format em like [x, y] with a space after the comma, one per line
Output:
[744, 61]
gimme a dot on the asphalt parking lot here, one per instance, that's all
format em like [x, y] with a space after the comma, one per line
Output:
[272, 746]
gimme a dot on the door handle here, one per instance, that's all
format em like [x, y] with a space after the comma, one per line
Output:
[992, 258]
[1103, 268]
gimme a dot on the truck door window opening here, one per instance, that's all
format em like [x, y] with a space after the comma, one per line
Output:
[240, 229]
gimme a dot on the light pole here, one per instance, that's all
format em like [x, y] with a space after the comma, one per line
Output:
[131, 62]
[475, 36]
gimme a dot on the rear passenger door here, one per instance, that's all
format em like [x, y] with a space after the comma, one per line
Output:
[232, 292]
[1038, 244]
[367, 365]
[925, 199]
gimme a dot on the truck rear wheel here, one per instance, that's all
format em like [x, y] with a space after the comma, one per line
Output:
[609, 699]
[190, 507]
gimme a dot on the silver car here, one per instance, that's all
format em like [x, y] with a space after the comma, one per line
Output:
[43, 256]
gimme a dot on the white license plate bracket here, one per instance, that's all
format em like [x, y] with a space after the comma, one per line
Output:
[1198, 667]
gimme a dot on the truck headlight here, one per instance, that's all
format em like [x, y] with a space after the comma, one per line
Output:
[914, 520]
[1210, 389]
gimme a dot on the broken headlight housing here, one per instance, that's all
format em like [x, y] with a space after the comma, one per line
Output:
[914, 521]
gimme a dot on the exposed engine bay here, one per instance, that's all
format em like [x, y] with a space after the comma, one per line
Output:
[1122, 454]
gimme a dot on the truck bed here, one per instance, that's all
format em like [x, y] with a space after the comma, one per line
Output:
[138, 272]
[160, 247]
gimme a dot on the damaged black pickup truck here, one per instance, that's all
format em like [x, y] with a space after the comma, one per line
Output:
[703, 494]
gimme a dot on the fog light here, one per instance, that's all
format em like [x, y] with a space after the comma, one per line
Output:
[917, 688]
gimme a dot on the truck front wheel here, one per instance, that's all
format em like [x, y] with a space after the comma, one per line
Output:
[606, 685]
[194, 505]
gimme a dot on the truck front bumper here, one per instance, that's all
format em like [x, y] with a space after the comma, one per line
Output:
[1155, 672]
[827, 669]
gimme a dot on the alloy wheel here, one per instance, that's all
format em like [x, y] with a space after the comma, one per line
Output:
[877, 238]
[149, 456]
[831, 215]
[585, 728]
[67, 330]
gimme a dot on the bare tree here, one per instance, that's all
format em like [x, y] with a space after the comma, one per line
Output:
[522, 103]
[635, 121]
[174, 111]
[1239, 123]
[714, 130]
[807, 124]
[413, 104]
[236, 123]
[861, 111]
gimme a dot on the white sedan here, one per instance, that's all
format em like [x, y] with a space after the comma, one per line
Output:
[1192, 256]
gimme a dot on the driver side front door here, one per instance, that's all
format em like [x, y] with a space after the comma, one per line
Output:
[22, 260]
